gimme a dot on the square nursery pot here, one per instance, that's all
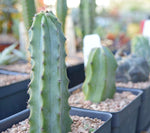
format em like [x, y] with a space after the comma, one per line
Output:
[13, 98]
[13, 119]
[144, 112]
[125, 120]
[105, 128]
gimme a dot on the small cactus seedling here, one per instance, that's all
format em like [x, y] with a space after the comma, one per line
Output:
[49, 109]
[100, 75]
[140, 46]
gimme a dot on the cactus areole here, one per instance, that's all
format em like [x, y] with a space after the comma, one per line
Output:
[48, 103]
[100, 75]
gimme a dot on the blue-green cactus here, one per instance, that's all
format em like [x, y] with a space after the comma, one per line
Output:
[100, 75]
[49, 84]
[140, 46]
[87, 15]
[29, 9]
[61, 12]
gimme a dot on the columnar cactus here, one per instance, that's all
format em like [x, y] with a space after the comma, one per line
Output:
[49, 109]
[28, 12]
[100, 75]
[140, 46]
[61, 12]
[87, 14]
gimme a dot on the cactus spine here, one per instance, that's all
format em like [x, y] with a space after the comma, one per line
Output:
[28, 12]
[61, 12]
[140, 46]
[87, 14]
[49, 84]
[100, 75]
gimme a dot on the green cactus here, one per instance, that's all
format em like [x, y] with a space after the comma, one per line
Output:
[87, 15]
[49, 109]
[140, 46]
[100, 75]
[61, 12]
[28, 12]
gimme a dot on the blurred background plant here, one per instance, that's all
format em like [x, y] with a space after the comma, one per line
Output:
[9, 17]
[115, 21]
[10, 55]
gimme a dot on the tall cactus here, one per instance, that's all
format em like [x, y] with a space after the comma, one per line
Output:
[49, 84]
[61, 12]
[28, 12]
[87, 14]
[140, 46]
[100, 75]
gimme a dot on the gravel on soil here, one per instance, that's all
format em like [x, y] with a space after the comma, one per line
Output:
[85, 124]
[9, 79]
[17, 67]
[26, 67]
[119, 101]
[139, 85]
[80, 125]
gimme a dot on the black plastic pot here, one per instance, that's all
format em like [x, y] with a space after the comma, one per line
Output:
[144, 112]
[13, 98]
[13, 119]
[75, 74]
[124, 121]
[105, 128]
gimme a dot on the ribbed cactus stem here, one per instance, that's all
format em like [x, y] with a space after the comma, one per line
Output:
[61, 12]
[100, 75]
[28, 12]
[49, 84]
[87, 14]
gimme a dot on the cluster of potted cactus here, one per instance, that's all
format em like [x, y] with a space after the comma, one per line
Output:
[48, 91]
[140, 47]
[48, 88]
[99, 85]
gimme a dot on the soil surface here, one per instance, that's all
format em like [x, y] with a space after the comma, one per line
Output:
[80, 125]
[85, 124]
[117, 103]
[9, 79]
[139, 85]
[26, 67]
[18, 67]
